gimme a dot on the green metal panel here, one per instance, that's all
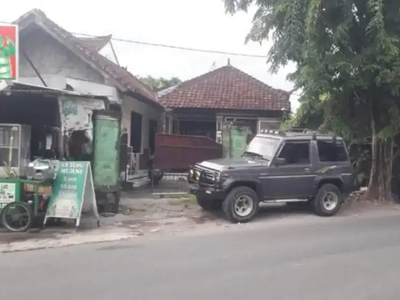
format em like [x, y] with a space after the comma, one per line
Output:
[234, 140]
[226, 141]
[106, 149]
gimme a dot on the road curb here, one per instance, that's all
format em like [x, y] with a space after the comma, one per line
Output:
[63, 240]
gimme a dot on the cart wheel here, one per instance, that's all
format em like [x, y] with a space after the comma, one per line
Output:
[17, 217]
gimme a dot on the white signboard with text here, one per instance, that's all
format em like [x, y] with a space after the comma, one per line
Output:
[7, 193]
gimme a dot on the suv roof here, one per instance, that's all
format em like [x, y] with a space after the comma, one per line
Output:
[299, 134]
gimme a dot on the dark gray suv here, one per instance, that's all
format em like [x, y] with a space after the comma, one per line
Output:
[288, 167]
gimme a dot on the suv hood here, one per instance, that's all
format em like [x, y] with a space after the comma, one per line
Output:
[232, 163]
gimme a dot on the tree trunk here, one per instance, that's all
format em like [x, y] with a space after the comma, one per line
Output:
[386, 170]
[380, 182]
[373, 185]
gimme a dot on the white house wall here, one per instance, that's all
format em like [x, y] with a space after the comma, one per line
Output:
[76, 114]
[148, 113]
[59, 66]
[51, 57]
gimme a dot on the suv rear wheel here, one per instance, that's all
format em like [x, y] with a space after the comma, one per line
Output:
[328, 200]
[209, 204]
[241, 204]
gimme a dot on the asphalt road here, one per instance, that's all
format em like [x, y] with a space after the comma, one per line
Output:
[343, 258]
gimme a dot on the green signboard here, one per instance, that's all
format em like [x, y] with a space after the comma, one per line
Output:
[72, 192]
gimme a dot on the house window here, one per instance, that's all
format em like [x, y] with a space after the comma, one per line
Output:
[330, 151]
[219, 125]
[175, 127]
[136, 132]
[264, 126]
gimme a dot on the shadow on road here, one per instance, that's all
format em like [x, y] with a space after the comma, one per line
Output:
[272, 212]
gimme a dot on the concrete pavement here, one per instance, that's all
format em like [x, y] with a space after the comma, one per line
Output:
[146, 216]
[353, 257]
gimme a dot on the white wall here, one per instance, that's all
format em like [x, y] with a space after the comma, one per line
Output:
[60, 66]
[131, 104]
[76, 113]
[51, 57]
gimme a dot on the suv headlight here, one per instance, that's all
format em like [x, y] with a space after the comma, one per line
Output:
[217, 177]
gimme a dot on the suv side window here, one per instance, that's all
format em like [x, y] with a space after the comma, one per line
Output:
[330, 151]
[296, 153]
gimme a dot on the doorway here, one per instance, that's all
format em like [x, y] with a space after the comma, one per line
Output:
[136, 132]
[152, 135]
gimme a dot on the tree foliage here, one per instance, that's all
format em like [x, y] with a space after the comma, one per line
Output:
[160, 83]
[346, 49]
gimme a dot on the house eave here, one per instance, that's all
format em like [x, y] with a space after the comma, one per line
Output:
[9, 87]
[145, 100]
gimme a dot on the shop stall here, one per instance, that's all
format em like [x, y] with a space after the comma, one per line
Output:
[39, 127]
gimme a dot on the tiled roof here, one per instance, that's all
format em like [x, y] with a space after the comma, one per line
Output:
[118, 73]
[226, 88]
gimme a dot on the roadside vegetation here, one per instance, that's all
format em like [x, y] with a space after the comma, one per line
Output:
[347, 55]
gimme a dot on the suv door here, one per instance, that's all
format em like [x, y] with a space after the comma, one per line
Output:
[333, 154]
[294, 179]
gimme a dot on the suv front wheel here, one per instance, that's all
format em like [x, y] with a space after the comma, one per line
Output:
[328, 200]
[241, 204]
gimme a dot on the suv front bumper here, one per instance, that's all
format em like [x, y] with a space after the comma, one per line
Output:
[205, 192]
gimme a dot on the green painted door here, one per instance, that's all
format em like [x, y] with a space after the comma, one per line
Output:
[106, 148]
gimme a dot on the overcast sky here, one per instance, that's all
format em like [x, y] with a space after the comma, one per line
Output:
[188, 23]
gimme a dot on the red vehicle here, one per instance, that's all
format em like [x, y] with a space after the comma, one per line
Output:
[177, 153]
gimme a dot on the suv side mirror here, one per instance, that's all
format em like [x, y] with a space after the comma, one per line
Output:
[280, 161]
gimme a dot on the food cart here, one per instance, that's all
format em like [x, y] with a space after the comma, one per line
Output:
[29, 202]
[23, 197]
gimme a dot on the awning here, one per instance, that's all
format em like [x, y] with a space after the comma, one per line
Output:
[10, 87]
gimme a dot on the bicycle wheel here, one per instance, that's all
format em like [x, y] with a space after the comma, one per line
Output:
[17, 217]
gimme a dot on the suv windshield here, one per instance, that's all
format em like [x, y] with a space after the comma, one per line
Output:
[264, 147]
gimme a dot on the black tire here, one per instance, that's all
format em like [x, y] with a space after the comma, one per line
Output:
[21, 228]
[318, 203]
[228, 205]
[209, 204]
